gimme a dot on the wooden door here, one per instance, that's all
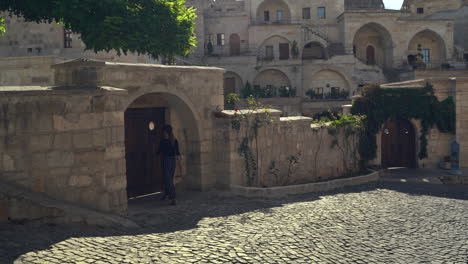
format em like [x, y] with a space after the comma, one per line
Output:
[398, 144]
[234, 45]
[370, 55]
[229, 87]
[284, 51]
[143, 131]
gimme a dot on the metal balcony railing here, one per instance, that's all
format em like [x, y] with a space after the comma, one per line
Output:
[232, 51]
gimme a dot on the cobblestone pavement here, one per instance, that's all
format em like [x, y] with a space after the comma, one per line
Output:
[384, 222]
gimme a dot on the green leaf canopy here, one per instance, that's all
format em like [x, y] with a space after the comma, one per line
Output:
[153, 27]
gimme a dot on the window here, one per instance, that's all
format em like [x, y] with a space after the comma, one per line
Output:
[209, 38]
[319, 92]
[67, 38]
[284, 51]
[465, 56]
[420, 10]
[266, 16]
[426, 55]
[321, 13]
[335, 90]
[306, 13]
[269, 52]
[279, 15]
[38, 50]
[220, 39]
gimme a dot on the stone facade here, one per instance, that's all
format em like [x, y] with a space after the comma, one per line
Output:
[359, 41]
[67, 141]
[321, 155]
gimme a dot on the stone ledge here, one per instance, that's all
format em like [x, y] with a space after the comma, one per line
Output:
[60, 90]
[233, 113]
[280, 191]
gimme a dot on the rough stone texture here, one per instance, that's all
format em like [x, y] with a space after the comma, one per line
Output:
[57, 158]
[68, 141]
[320, 154]
[387, 222]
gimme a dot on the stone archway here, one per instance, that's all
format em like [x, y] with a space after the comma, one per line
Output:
[271, 79]
[398, 144]
[273, 11]
[274, 47]
[328, 84]
[430, 46]
[144, 118]
[232, 84]
[377, 36]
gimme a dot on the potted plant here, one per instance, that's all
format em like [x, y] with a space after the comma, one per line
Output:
[294, 50]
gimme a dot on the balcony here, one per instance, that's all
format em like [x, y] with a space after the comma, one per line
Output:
[232, 51]
[273, 22]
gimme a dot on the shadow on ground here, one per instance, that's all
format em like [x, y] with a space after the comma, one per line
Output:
[155, 216]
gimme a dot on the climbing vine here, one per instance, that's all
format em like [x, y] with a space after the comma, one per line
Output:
[253, 117]
[382, 104]
[346, 131]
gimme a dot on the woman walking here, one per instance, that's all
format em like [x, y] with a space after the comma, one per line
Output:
[169, 149]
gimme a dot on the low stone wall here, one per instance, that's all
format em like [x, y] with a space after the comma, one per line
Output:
[289, 151]
[304, 188]
[66, 142]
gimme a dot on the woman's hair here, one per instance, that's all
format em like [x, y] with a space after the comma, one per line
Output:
[169, 131]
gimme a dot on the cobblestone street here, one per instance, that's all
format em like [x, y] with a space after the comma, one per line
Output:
[384, 222]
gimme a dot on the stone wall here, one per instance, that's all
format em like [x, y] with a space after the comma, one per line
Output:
[65, 142]
[461, 101]
[319, 157]
[28, 70]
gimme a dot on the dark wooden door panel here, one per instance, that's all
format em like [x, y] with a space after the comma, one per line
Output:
[398, 144]
[141, 143]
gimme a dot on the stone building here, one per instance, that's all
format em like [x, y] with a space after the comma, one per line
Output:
[317, 52]
[84, 131]
[324, 46]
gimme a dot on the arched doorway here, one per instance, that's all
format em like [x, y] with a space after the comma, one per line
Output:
[326, 84]
[370, 55]
[430, 46]
[398, 144]
[232, 84]
[144, 119]
[273, 11]
[234, 45]
[269, 83]
[377, 36]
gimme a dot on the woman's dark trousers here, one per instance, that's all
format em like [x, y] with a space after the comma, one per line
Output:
[169, 164]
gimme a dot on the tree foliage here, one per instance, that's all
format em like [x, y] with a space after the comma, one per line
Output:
[153, 27]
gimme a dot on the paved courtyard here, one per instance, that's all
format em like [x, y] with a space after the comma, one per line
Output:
[393, 221]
